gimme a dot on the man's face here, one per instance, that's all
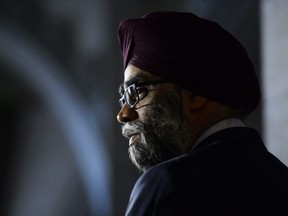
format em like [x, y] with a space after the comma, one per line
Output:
[155, 126]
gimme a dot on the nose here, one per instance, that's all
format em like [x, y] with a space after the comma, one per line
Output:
[126, 114]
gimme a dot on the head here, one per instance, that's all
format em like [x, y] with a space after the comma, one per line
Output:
[205, 76]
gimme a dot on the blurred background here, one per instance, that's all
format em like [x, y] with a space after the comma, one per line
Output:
[61, 150]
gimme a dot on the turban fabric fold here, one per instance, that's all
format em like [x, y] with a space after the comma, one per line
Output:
[192, 52]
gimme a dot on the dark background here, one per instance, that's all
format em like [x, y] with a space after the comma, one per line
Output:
[62, 152]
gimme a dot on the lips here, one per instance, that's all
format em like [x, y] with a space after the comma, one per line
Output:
[132, 132]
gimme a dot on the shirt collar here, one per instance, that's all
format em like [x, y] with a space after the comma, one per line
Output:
[224, 124]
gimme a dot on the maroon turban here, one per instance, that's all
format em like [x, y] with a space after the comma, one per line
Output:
[194, 53]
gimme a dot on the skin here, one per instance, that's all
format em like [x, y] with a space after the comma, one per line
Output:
[199, 112]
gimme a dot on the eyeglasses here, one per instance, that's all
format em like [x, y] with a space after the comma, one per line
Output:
[136, 92]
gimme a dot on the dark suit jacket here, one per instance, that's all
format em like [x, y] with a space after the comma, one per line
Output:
[229, 173]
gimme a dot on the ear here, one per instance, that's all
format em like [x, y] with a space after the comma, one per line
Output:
[198, 102]
[192, 102]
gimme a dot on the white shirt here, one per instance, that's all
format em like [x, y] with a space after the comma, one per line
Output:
[227, 123]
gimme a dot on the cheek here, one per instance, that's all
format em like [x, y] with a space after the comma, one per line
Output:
[145, 108]
[144, 114]
[147, 101]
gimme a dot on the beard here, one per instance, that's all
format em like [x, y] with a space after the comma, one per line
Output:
[164, 135]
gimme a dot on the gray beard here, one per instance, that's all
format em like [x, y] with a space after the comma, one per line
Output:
[164, 135]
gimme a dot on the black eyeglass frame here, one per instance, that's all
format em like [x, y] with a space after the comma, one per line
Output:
[134, 88]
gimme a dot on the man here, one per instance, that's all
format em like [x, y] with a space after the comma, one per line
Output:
[188, 84]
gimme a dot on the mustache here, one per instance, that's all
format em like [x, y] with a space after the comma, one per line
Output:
[130, 128]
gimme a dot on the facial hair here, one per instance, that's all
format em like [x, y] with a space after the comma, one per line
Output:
[164, 135]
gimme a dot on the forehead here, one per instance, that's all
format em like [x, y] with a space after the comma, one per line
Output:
[134, 74]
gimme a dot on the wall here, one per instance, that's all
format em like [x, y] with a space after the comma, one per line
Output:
[274, 33]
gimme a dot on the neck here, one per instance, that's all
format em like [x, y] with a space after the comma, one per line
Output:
[209, 115]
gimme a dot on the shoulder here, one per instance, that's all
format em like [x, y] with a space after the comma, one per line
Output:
[219, 172]
[160, 188]
[159, 175]
[176, 187]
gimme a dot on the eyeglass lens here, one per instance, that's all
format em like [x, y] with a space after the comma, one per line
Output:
[131, 95]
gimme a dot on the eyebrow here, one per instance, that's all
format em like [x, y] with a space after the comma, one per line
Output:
[136, 79]
[133, 80]
[121, 89]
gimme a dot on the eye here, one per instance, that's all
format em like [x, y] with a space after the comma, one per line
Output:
[121, 90]
[142, 92]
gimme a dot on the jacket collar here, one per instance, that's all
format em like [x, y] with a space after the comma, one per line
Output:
[232, 135]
